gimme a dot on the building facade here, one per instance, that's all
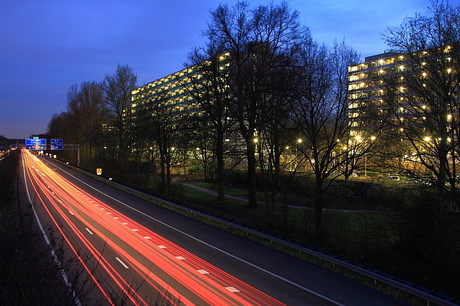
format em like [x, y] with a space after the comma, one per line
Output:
[367, 88]
[417, 95]
[175, 90]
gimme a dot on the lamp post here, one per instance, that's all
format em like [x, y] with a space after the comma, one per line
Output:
[299, 141]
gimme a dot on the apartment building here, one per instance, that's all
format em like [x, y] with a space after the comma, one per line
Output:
[367, 88]
[174, 90]
[416, 94]
[404, 84]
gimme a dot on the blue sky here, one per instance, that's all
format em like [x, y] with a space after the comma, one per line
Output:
[48, 45]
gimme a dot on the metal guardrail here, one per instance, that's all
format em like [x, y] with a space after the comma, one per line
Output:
[429, 296]
[425, 294]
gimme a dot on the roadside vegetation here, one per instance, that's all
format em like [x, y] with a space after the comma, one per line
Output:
[28, 276]
[395, 228]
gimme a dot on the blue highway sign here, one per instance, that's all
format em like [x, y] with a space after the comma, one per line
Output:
[36, 144]
[56, 144]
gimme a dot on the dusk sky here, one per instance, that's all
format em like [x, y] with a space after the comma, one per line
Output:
[48, 45]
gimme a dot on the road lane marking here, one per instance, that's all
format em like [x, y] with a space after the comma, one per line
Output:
[232, 289]
[279, 277]
[71, 213]
[89, 231]
[122, 263]
[45, 236]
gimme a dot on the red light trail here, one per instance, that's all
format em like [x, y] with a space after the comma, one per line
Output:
[164, 266]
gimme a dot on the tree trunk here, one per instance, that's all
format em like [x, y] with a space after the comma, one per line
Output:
[252, 197]
[318, 202]
[220, 167]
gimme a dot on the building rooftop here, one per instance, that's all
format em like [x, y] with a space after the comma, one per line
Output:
[380, 56]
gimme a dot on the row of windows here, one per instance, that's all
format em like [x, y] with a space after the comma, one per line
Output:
[383, 61]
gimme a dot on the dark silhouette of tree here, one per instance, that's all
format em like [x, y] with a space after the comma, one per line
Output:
[208, 86]
[117, 94]
[159, 124]
[59, 127]
[321, 117]
[87, 111]
[255, 39]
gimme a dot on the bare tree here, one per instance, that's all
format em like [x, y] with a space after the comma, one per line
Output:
[423, 91]
[255, 39]
[208, 85]
[86, 107]
[321, 116]
[58, 127]
[158, 123]
[117, 93]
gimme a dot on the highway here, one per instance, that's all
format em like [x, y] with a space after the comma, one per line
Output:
[133, 252]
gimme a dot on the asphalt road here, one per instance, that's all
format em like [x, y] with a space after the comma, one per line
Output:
[148, 250]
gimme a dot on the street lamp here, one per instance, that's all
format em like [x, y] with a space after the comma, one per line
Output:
[299, 141]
